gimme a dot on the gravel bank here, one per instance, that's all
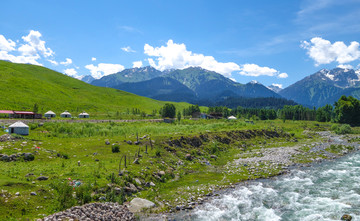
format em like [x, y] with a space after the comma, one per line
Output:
[94, 212]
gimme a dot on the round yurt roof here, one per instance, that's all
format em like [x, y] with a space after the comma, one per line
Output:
[18, 124]
[66, 113]
[232, 118]
[50, 112]
[83, 113]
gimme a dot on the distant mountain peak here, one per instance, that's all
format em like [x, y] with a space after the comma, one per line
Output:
[254, 82]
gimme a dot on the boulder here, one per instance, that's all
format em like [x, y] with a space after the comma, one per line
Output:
[138, 204]
[346, 217]
[42, 178]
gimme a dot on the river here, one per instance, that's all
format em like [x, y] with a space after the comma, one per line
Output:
[322, 192]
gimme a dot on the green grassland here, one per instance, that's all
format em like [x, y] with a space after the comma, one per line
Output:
[78, 151]
[23, 85]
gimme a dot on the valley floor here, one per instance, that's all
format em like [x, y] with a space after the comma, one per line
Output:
[177, 166]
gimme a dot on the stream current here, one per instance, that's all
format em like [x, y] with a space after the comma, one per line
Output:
[321, 192]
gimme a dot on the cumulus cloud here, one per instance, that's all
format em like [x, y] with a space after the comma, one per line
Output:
[176, 56]
[53, 62]
[255, 70]
[66, 62]
[4, 55]
[34, 41]
[70, 72]
[103, 69]
[283, 75]
[128, 49]
[93, 59]
[137, 64]
[345, 66]
[6, 44]
[324, 52]
[277, 85]
[30, 51]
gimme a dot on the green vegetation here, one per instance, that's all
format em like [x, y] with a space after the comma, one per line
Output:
[194, 156]
[347, 111]
[29, 87]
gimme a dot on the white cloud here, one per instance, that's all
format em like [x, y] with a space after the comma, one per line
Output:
[176, 56]
[128, 49]
[277, 85]
[283, 75]
[103, 69]
[6, 45]
[233, 79]
[53, 62]
[137, 64]
[324, 52]
[93, 59]
[34, 41]
[4, 55]
[70, 72]
[345, 66]
[30, 52]
[255, 70]
[66, 62]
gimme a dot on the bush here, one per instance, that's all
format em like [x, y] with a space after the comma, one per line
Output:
[64, 198]
[158, 152]
[115, 148]
[343, 129]
[83, 194]
[334, 127]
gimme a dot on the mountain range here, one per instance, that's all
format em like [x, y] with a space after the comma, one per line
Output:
[199, 86]
[193, 84]
[324, 87]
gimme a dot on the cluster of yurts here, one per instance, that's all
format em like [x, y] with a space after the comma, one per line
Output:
[23, 129]
[65, 114]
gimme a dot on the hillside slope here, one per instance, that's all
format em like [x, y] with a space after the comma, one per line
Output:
[23, 85]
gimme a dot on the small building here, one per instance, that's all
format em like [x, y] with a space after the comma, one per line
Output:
[19, 128]
[232, 118]
[84, 115]
[49, 114]
[6, 113]
[65, 115]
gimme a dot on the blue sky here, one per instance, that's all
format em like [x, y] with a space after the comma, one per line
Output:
[273, 42]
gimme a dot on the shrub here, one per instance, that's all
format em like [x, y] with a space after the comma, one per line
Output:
[158, 152]
[343, 129]
[115, 148]
[83, 194]
[334, 127]
[64, 197]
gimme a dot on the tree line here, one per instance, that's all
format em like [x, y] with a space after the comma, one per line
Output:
[346, 111]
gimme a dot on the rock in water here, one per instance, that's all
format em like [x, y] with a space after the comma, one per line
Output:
[346, 217]
[137, 204]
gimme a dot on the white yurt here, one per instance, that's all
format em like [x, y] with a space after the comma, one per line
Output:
[19, 128]
[49, 114]
[65, 115]
[232, 118]
[84, 115]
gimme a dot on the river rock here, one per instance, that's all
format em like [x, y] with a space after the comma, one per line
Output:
[346, 217]
[138, 204]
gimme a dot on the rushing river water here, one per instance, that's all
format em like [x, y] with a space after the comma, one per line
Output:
[323, 192]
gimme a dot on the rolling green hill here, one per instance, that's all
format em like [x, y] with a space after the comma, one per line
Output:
[23, 85]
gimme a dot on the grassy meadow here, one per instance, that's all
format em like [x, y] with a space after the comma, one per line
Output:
[78, 151]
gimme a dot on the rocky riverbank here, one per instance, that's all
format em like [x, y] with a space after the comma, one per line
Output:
[330, 146]
[94, 212]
